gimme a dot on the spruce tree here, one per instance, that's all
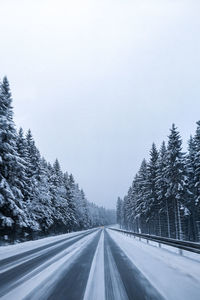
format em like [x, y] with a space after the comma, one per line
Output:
[22, 151]
[129, 209]
[190, 201]
[59, 200]
[120, 212]
[13, 221]
[34, 169]
[175, 178]
[152, 209]
[197, 180]
[69, 185]
[161, 189]
[142, 198]
[40, 206]
[135, 201]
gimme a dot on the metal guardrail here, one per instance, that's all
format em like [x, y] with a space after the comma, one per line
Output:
[181, 245]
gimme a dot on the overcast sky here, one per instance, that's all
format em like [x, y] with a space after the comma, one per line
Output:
[98, 81]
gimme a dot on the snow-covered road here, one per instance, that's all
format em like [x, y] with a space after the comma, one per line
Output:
[96, 265]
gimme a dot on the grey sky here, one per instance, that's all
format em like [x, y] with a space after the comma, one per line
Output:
[98, 81]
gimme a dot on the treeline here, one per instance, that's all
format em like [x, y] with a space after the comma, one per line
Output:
[37, 198]
[164, 198]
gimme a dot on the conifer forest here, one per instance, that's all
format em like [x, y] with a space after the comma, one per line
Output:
[164, 197]
[100, 150]
[36, 198]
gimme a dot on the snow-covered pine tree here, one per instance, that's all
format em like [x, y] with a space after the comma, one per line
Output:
[86, 212]
[134, 202]
[79, 207]
[175, 175]
[35, 197]
[152, 207]
[161, 189]
[197, 178]
[175, 186]
[13, 221]
[142, 198]
[129, 209]
[120, 212]
[191, 204]
[69, 185]
[33, 160]
[22, 151]
[60, 204]
[93, 214]
[125, 211]
[40, 208]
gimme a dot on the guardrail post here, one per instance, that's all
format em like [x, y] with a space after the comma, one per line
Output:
[147, 241]
[180, 251]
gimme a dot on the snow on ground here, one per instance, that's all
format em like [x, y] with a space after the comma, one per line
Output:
[32, 256]
[174, 276]
[95, 288]
[7, 251]
[115, 226]
[117, 285]
[47, 273]
[185, 253]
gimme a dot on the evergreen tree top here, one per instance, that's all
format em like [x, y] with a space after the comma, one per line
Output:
[29, 137]
[153, 154]
[163, 147]
[6, 88]
[198, 123]
[21, 132]
[174, 142]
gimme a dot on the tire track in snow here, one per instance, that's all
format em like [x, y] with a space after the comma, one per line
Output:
[72, 279]
[137, 287]
[95, 288]
[16, 275]
[38, 286]
[18, 258]
[114, 287]
[90, 266]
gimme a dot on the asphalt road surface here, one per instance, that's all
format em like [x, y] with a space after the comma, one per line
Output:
[89, 266]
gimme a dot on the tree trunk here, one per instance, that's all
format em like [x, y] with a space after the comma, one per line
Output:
[180, 235]
[175, 220]
[160, 233]
[168, 223]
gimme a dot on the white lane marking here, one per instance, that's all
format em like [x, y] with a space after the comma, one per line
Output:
[27, 286]
[95, 288]
[119, 291]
